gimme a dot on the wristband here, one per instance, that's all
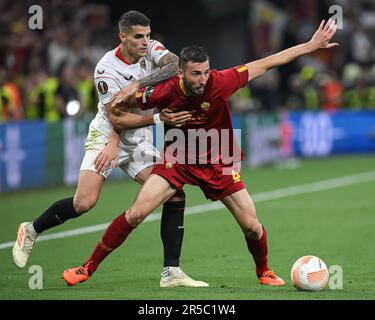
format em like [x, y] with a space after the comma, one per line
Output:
[156, 118]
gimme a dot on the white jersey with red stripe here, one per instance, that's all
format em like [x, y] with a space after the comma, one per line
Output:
[112, 73]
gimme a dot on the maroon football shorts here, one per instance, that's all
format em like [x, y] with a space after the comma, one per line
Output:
[210, 178]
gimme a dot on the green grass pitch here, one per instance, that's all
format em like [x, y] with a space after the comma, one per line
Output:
[336, 224]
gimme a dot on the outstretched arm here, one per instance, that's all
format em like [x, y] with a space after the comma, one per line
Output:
[319, 40]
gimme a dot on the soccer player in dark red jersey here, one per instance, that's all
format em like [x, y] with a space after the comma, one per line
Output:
[205, 93]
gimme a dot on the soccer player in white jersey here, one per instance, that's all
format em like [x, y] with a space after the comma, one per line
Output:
[147, 62]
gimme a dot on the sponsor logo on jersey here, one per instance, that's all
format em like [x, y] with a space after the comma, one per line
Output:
[128, 77]
[102, 87]
[205, 106]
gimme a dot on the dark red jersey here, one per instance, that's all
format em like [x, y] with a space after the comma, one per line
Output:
[208, 136]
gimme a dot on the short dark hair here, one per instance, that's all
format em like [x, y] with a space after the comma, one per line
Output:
[132, 18]
[192, 53]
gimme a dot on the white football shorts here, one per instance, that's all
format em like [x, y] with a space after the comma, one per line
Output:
[132, 160]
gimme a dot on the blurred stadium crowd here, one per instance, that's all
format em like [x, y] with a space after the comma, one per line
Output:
[41, 71]
[343, 77]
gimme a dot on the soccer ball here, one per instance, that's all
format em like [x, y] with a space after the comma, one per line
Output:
[309, 273]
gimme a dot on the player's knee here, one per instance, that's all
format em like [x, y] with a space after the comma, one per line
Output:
[135, 215]
[84, 204]
[253, 230]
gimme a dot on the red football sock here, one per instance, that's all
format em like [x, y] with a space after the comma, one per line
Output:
[114, 236]
[259, 251]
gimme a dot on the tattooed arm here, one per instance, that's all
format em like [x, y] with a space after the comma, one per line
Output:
[168, 69]
[321, 39]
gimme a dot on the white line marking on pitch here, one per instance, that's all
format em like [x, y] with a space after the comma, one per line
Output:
[213, 206]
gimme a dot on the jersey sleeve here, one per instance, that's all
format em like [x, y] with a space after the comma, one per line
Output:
[106, 84]
[156, 51]
[153, 97]
[230, 80]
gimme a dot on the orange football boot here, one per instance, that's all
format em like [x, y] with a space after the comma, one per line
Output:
[270, 278]
[76, 275]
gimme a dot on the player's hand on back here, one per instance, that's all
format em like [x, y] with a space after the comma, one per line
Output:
[175, 119]
[323, 35]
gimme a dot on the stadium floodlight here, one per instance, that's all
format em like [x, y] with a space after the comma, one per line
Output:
[73, 107]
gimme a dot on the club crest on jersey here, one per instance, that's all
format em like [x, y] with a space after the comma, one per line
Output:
[102, 87]
[236, 176]
[147, 93]
[205, 106]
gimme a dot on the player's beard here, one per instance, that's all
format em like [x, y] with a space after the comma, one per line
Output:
[193, 90]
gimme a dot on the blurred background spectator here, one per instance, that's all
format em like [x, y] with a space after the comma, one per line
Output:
[42, 71]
